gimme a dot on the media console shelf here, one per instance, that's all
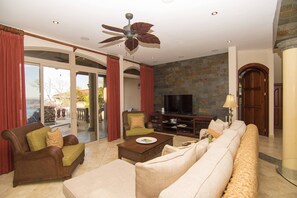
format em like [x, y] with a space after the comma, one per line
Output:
[187, 125]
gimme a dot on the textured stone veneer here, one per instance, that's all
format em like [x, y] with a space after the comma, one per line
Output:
[206, 78]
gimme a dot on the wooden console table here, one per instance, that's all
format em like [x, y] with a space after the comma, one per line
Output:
[187, 125]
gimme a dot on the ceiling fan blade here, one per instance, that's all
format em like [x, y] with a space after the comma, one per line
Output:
[112, 39]
[141, 27]
[131, 43]
[148, 38]
[113, 28]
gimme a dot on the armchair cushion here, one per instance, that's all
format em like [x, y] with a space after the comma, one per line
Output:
[36, 138]
[71, 153]
[138, 131]
[54, 138]
[137, 122]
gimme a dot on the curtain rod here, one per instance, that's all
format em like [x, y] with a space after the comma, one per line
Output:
[11, 30]
[75, 47]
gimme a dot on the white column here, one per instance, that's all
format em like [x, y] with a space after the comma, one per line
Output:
[121, 90]
[233, 75]
[289, 161]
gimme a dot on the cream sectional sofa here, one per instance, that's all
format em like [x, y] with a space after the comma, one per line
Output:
[226, 167]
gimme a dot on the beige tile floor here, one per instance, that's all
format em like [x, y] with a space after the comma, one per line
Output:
[101, 152]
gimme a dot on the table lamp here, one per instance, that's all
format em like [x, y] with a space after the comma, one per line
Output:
[230, 103]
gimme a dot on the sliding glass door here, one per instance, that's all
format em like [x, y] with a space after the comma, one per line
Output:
[64, 90]
[86, 106]
[32, 84]
[56, 98]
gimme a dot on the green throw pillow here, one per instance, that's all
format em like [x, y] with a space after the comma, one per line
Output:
[36, 138]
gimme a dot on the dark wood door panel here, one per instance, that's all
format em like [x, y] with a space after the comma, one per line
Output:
[278, 106]
[254, 98]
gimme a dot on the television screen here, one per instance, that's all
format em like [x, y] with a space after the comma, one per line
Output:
[178, 104]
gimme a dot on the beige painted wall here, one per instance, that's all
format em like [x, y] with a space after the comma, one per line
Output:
[265, 57]
[131, 93]
[278, 70]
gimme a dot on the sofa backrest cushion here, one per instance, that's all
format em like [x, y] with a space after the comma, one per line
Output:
[36, 138]
[155, 175]
[229, 139]
[208, 177]
[239, 126]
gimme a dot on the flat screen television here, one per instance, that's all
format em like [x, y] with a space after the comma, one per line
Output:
[181, 104]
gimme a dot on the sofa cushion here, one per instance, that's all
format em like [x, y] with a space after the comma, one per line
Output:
[36, 138]
[113, 180]
[170, 149]
[139, 131]
[54, 138]
[229, 139]
[225, 124]
[218, 127]
[245, 169]
[155, 175]
[239, 126]
[137, 122]
[208, 177]
[71, 153]
[200, 148]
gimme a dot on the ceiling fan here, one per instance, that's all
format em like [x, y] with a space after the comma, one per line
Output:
[133, 33]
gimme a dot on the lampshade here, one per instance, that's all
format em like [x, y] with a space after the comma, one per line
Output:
[230, 102]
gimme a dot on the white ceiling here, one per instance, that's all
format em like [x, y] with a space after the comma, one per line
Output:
[186, 28]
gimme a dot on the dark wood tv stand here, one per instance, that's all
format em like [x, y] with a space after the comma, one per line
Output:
[180, 124]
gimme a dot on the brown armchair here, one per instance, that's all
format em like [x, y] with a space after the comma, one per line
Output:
[44, 164]
[128, 131]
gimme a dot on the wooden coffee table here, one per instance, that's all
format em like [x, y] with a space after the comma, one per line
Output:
[136, 152]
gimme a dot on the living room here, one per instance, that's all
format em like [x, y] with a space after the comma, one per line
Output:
[195, 57]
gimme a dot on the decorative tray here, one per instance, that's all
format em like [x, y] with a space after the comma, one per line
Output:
[146, 140]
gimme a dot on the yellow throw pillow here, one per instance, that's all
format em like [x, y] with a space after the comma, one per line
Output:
[137, 122]
[54, 138]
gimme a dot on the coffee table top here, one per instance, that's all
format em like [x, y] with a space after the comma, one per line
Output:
[132, 145]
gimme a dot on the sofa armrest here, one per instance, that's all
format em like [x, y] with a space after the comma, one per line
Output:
[70, 140]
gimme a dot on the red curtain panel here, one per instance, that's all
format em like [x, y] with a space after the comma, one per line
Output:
[113, 98]
[12, 91]
[147, 89]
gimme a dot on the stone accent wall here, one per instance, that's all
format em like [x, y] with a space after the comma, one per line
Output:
[206, 78]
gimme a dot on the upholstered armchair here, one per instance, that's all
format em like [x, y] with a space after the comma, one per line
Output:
[135, 123]
[44, 164]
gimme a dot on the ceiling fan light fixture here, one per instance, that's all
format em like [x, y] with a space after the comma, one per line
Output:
[56, 22]
[229, 41]
[133, 33]
[214, 13]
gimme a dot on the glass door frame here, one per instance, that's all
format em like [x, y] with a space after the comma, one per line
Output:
[73, 68]
[74, 71]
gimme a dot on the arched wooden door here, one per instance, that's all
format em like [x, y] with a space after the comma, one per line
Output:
[253, 96]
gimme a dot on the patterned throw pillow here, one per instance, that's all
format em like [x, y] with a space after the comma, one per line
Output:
[137, 122]
[54, 138]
